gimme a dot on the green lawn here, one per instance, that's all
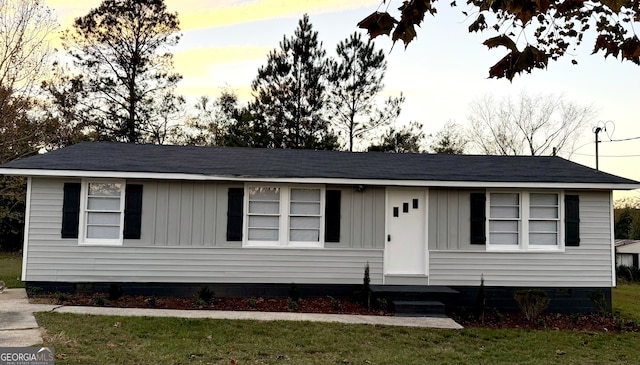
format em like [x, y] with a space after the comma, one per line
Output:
[127, 340]
[626, 301]
[10, 269]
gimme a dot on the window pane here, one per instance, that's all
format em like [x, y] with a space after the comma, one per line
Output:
[103, 232]
[264, 193]
[544, 212]
[504, 238]
[103, 203]
[505, 199]
[548, 239]
[264, 222]
[504, 212]
[625, 259]
[305, 195]
[305, 208]
[256, 234]
[543, 199]
[263, 207]
[305, 222]
[503, 226]
[104, 218]
[305, 235]
[305, 201]
[108, 189]
[543, 226]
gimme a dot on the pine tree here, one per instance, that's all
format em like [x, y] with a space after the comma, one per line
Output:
[356, 78]
[408, 139]
[128, 83]
[290, 93]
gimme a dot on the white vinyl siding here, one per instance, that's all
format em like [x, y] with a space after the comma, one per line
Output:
[185, 255]
[176, 264]
[184, 228]
[183, 213]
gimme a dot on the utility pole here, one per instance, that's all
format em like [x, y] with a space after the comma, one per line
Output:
[596, 131]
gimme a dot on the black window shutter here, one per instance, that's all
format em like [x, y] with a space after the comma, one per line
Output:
[70, 210]
[332, 216]
[234, 214]
[132, 211]
[635, 260]
[478, 219]
[571, 220]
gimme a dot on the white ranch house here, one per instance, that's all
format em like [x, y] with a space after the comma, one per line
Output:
[169, 219]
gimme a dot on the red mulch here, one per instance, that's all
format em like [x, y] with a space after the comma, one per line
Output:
[303, 305]
[495, 320]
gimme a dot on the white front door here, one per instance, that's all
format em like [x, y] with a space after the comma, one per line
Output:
[406, 243]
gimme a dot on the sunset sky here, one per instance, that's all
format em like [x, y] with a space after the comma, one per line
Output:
[225, 42]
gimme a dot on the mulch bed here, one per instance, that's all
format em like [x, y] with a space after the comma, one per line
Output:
[495, 320]
[304, 305]
[555, 322]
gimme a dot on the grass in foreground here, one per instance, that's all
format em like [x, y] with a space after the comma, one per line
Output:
[626, 301]
[133, 340]
[11, 269]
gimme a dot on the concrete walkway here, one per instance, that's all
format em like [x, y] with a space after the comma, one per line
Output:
[18, 326]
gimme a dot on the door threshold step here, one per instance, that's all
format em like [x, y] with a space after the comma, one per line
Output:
[413, 289]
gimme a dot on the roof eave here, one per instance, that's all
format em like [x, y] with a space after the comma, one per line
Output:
[317, 180]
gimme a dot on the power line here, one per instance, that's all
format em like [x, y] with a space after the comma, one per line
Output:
[622, 140]
[609, 156]
[609, 132]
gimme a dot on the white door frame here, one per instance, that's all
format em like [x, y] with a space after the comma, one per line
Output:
[423, 193]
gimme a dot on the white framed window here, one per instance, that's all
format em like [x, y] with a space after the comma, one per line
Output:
[102, 212]
[284, 216]
[524, 220]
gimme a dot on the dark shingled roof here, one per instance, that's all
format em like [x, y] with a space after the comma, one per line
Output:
[281, 163]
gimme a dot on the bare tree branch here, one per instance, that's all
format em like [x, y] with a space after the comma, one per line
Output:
[529, 124]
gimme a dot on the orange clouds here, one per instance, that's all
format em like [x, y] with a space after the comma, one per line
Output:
[194, 15]
[198, 14]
